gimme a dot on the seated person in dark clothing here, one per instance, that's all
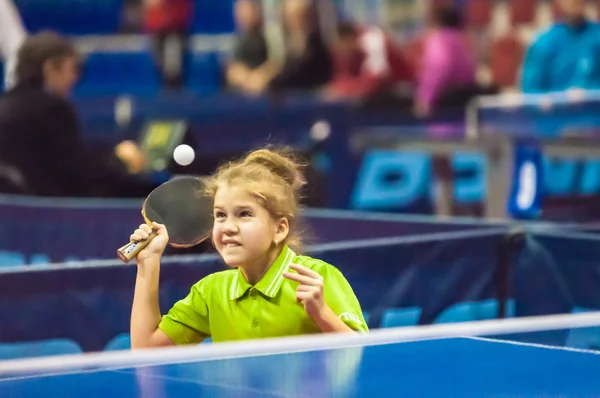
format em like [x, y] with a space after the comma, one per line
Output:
[249, 65]
[41, 147]
[308, 63]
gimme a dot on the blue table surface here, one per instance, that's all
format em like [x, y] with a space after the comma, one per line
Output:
[440, 368]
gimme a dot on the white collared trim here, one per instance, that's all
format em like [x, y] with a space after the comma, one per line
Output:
[278, 280]
[275, 284]
[234, 286]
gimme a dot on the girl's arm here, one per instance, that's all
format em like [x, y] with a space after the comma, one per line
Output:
[145, 311]
[311, 293]
[329, 322]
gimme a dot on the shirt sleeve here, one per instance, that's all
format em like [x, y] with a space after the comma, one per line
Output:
[340, 297]
[535, 74]
[65, 143]
[80, 169]
[12, 35]
[237, 54]
[250, 51]
[187, 322]
[590, 64]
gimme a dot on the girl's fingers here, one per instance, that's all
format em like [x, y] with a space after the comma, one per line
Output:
[305, 280]
[305, 271]
[301, 296]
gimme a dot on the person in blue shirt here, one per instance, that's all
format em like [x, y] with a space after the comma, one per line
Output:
[566, 56]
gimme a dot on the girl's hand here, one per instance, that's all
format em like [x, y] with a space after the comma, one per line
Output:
[309, 291]
[156, 247]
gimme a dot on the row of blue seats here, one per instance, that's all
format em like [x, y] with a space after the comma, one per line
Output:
[463, 312]
[136, 73]
[80, 17]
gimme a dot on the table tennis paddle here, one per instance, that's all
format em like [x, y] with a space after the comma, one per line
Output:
[182, 207]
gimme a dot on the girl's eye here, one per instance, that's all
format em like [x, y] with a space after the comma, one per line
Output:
[245, 214]
[219, 214]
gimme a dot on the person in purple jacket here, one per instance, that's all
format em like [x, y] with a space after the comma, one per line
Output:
[448, 67]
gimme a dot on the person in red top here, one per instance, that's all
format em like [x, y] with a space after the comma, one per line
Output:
[169, 21]
[167, 15]
[366, 63]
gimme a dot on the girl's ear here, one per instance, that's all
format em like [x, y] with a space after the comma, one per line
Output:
[282, 229]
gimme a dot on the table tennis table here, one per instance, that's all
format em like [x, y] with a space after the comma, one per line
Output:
[444, 367]
[572, 125]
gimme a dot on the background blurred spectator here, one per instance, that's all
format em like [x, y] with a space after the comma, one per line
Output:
[565, 56]
[249, 69]
[367, 62]
[168, 22]
[40, 139]
[448, 67]
[12, 34]
[308, 63]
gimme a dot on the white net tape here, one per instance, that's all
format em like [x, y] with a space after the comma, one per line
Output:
[206, 352]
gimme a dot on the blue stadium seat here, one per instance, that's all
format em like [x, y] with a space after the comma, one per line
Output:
[205, 72]
[114, 73]
[120, 342]
[38, 348]
[213, 17]
[585, 338]
[474, 311]
[73, 17]
[123, 342]
[400, 317]
[9, 259]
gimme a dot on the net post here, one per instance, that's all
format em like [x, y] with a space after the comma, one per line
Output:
[511, 241]
[444, 182]
[471, 117]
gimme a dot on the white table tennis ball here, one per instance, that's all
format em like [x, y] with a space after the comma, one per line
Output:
[320, 130]
[184, 155]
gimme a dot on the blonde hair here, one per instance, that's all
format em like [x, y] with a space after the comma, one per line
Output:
[274, 178]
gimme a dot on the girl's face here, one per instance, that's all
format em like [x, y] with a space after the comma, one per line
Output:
[244, 232]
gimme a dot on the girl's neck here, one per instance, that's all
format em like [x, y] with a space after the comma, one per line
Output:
[254, 272]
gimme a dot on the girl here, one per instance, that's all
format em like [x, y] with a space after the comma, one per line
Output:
[270, 290]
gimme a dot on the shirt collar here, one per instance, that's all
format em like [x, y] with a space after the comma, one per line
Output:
[270, 283]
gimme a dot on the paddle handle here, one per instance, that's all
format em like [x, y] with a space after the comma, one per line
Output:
[133, 248]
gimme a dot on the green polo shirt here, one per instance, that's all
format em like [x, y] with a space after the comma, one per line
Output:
[225, 307]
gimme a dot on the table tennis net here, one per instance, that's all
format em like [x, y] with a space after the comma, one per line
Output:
[547, 116]
[578, 332]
